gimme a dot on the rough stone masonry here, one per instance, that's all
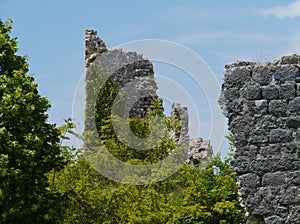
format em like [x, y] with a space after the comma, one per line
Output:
[136, 72]
[262, 103]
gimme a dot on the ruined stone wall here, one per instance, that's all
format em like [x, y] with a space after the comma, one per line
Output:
[181, 114]
[262, 103]
[135, 76]
[133, 73]
[200, 152]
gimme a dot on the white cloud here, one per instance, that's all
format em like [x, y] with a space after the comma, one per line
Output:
[291, 10]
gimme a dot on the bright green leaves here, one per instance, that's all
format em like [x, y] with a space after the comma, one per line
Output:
[29, 146]
[189, 196]
[214, 190]
[8, 47]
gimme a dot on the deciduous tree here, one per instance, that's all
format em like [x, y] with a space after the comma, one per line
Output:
[29, 146]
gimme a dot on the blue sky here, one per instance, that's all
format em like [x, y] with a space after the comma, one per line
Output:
[51, 34]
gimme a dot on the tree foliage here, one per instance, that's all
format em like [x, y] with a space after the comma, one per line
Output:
[191, 195]
[29, 146]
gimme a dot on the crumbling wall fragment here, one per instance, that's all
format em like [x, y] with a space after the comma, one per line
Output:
[262, 103]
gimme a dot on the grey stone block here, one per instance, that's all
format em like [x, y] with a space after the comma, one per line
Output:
[285, 73]
[293, 122]
[294, 215]
[270, 92]
[262, 75]
[294, 178]
[231, 94]
[257, 107]
[249, 180]
[261, 166]
[274, 220]
[287, 91]
[298, 89]
[271, 179]
[271, 151]
[292, 59]
[240, 165]
[258, 136]
[269, 122]
[294, 105]
[278, 107]
[291, 196]
[252, 92]
[237, 77]
[281, 211]
[280, 135]
[286, 164]
[297, 138]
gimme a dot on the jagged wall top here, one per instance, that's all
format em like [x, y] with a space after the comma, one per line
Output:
[123, 68]
[93, 45]
[133, 73]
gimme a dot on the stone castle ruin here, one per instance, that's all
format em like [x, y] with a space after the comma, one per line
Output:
[262, 103]
[134, 74]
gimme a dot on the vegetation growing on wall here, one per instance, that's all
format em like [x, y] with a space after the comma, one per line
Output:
[41, 183]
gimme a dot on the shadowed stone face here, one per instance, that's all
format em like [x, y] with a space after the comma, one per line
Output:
[264, 115]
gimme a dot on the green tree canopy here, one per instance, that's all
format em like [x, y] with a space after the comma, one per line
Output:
[29, 146]
[191, 195]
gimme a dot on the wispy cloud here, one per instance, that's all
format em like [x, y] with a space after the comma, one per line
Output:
[291, 10]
